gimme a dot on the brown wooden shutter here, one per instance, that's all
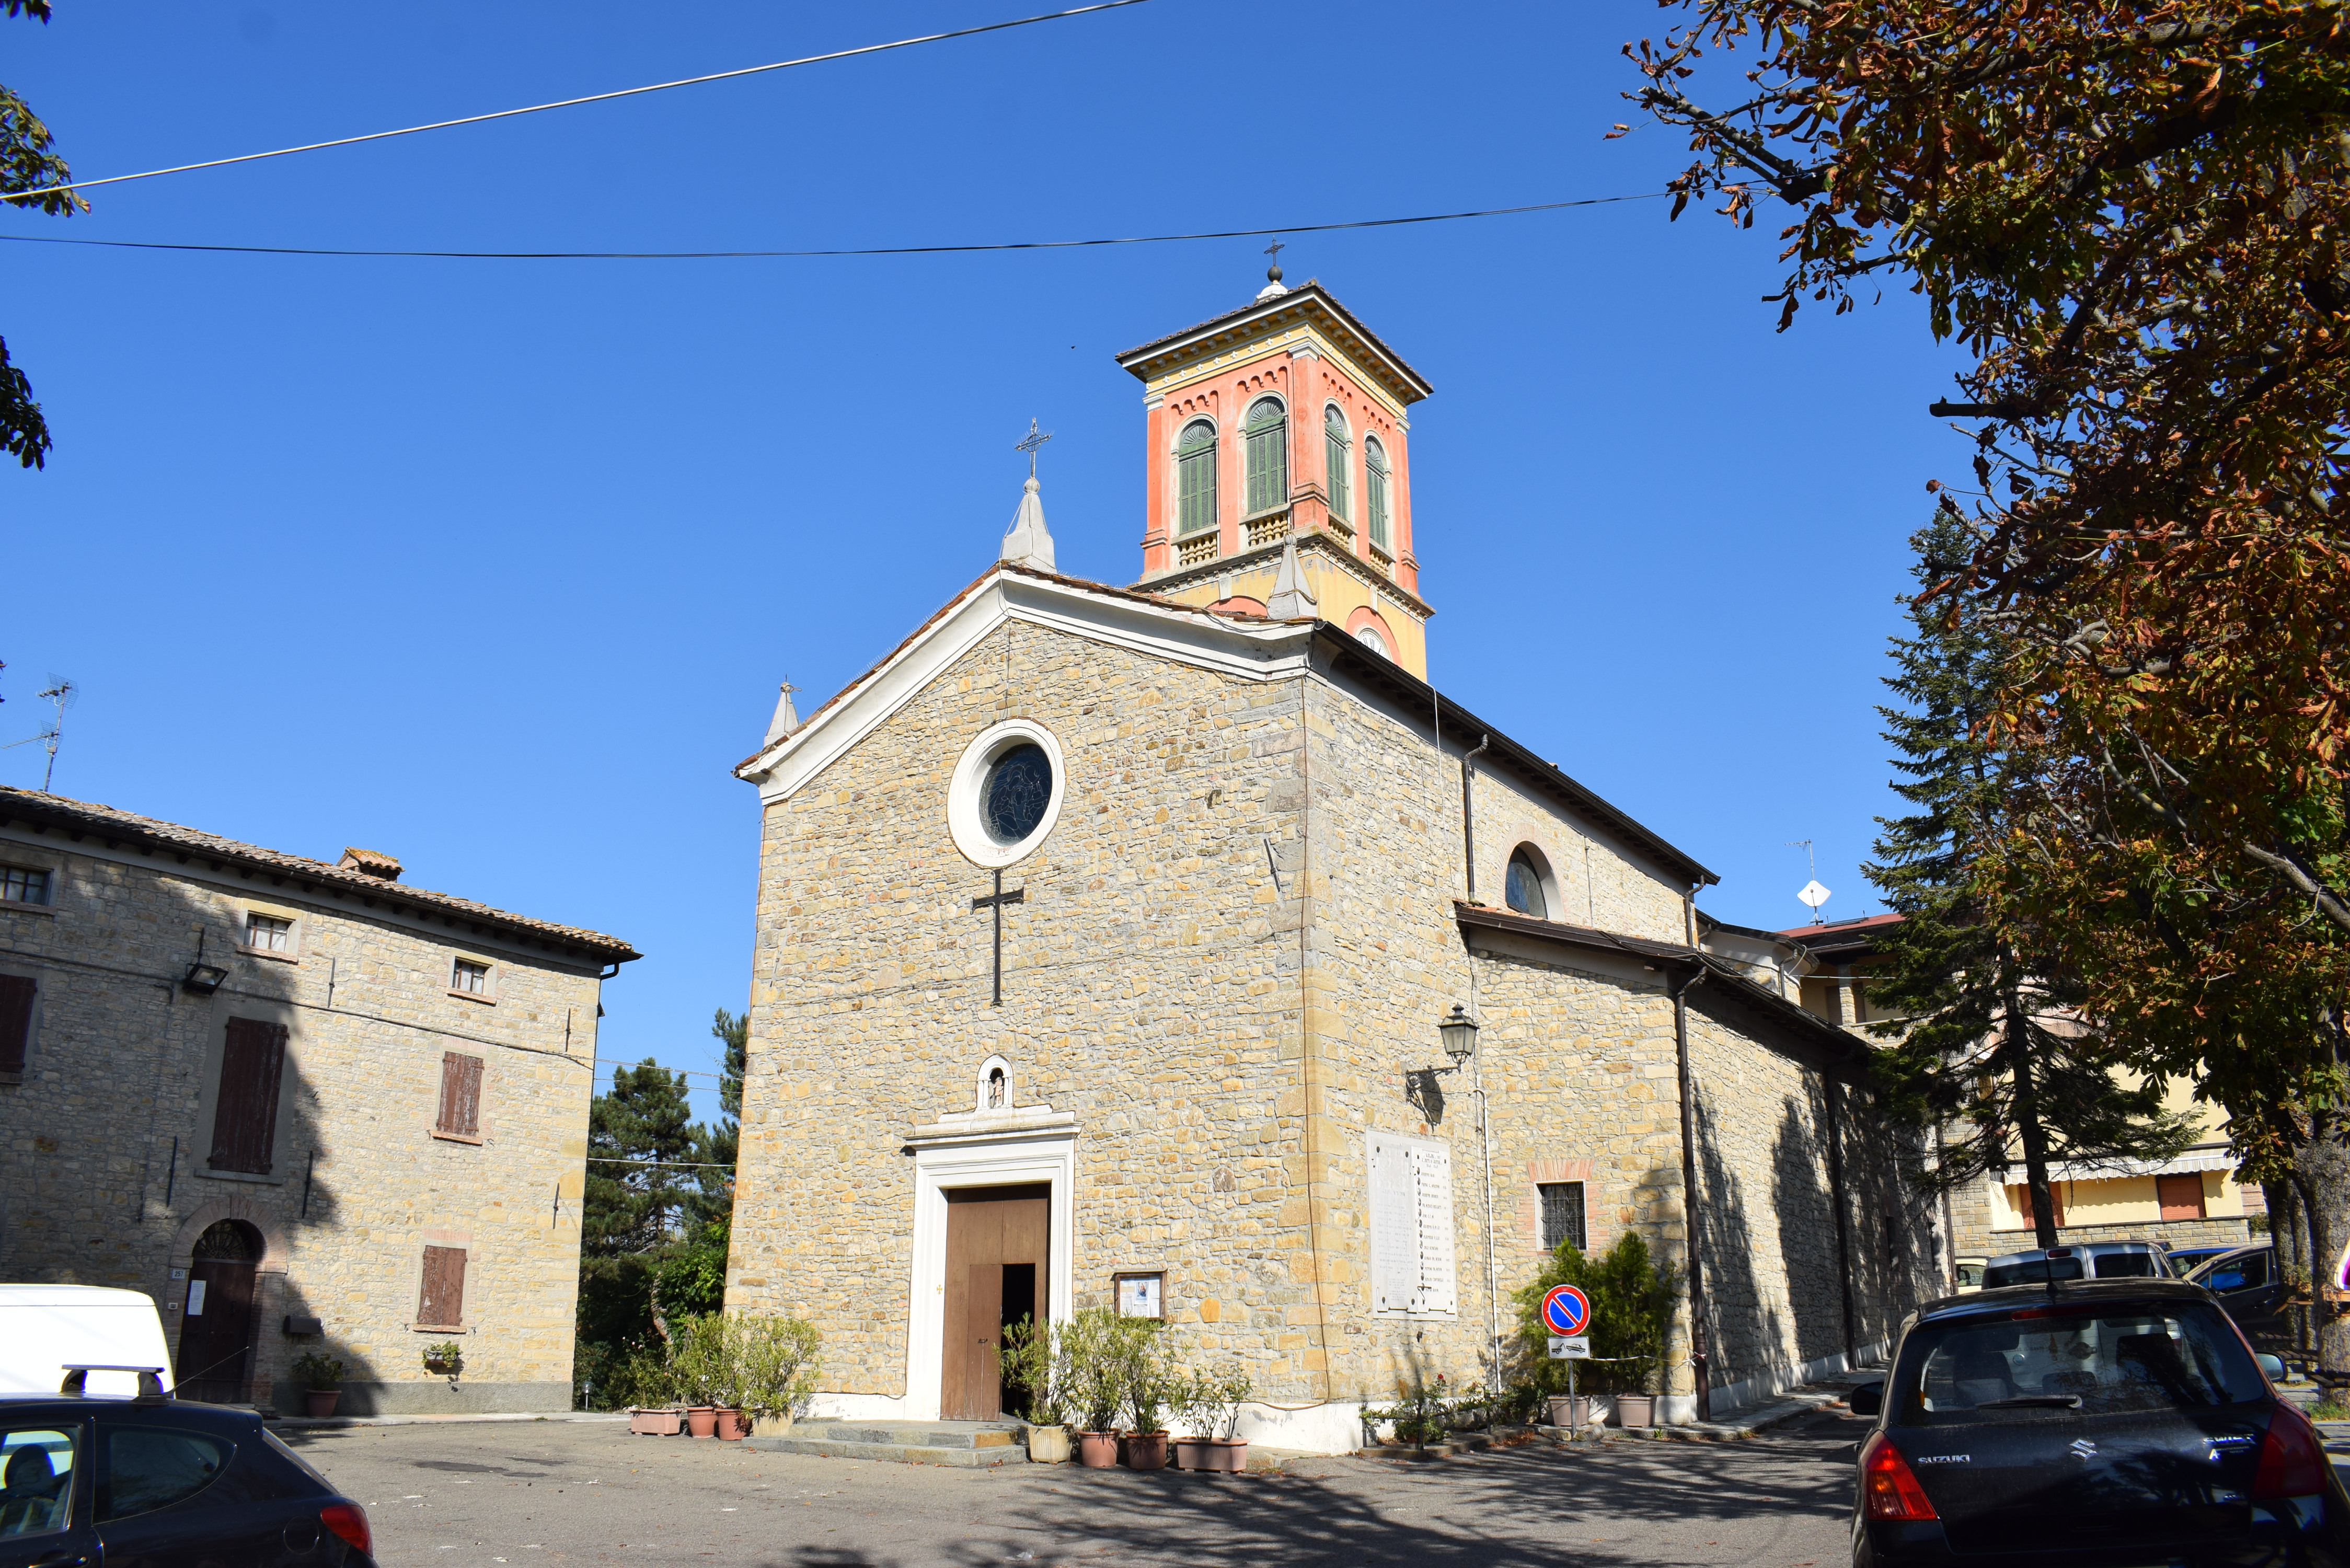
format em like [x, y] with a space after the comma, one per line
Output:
[441, 1302]
[460, 1094]
[17, 995]
[2182, 1196]
[245, 1116]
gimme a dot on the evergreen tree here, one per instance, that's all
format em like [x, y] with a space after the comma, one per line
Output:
[724, 1137]
[1986, 1047]
[640, 1139]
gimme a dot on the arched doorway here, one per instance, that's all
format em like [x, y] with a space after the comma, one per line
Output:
[216, 1321]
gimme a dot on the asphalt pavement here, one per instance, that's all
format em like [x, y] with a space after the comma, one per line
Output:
[534, 1494]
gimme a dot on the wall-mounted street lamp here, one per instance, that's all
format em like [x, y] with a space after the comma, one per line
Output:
[203, 978]
[1460, 1034]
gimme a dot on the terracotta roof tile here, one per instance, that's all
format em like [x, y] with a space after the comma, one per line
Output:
[105, 821]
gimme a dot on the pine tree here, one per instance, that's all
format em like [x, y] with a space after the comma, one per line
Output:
[1986, 1050]
[640, 1137]
[723, 1141]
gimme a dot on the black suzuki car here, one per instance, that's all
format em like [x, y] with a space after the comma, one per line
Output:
[2102, 1424]
[153, 1483]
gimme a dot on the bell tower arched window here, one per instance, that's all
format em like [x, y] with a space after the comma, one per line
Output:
[1195, 478]
[1335, 460]
[1375, 489]
[1268, 455]
[1525, 892]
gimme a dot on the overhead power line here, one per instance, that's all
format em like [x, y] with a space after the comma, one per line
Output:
[20, 196]
[864, 251]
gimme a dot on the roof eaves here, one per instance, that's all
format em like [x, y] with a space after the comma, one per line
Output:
[1839, 1046]
[112, 824]
[1304, 293]
[1418, 696]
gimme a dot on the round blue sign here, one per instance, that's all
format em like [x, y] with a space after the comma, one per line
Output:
[1566, 1310]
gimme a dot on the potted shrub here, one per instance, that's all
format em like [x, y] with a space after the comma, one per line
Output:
[1033, 1360]
[1196, 1412]
[322, 1381]
[446, 1358]
[648, 1383]
[705, 1372]
[1147, 1376]
[1230, 1452]
[1632, 1302]
[1096, 1389]
[777, 1362]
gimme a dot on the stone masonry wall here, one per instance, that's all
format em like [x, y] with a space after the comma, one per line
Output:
[121, 1065]
[1149, 988]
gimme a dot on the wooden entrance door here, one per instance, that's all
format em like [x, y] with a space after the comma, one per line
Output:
[215, 1327]
[996, 1256]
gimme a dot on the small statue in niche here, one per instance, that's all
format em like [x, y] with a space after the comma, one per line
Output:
[996, 1088]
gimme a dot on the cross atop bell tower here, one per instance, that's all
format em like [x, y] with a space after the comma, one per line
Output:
[1281, 430]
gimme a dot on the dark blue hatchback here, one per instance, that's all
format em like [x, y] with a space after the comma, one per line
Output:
[153, 1483]
[2101, 1423]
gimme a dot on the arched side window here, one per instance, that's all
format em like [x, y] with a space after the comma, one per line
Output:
[1524, 892]
[1370, 637]
[1334, 458]
[1268, 455]
[1195, 478]
[1375, 489]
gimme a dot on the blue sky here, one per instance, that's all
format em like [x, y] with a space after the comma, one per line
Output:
[494, 565]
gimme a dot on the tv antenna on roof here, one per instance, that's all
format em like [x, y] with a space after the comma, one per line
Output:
[1811, 892]
[62, 693]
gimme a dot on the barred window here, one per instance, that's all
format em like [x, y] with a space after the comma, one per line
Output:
[267, 933]
[1562, 1214]
[23, 885]
[472, 979]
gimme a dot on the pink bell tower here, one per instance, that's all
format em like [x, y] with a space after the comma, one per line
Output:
[1277, 456]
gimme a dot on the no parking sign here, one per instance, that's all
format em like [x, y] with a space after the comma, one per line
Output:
[1565, 1311]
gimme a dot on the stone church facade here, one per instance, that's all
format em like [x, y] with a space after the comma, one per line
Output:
[1258, 861]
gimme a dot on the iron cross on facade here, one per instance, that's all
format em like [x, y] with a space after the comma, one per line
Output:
[1036, 438]
[996, 900]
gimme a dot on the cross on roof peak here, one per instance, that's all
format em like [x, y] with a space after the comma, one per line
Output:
[1275, 249]
[1034, 440]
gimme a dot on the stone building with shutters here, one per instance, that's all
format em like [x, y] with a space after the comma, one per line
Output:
[1105, 936]
[306, 1105]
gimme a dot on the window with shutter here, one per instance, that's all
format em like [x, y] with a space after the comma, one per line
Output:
[1195, 475]
[1411, 1225]
[1268, 455]
[2182, 1196]
[441, 1300]
[244, 1112]
[461, 1096]
[17, 993]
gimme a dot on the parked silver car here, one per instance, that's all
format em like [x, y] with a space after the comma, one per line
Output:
[2082, 1261]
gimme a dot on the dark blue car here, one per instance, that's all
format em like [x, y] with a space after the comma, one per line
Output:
[2096, 1424]
[153, 1483]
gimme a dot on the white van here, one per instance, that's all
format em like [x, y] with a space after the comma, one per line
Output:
[43, 1329]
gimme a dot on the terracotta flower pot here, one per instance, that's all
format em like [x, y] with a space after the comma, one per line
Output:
[1636, 1410]
[1191, 1454]
[654, 1423]
[702, 1420]
[321, 1401]
[1567, 1410]
[733, 1425]
[1048, 1445]
[1146, 1451]
[1228, 1454]
[1097, 1451]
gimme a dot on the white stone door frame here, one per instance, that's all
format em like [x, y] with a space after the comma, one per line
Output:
[975, 1158]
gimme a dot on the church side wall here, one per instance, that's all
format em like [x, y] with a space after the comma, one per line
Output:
[1149, 987]
[1593, 880]
[1576, 1064]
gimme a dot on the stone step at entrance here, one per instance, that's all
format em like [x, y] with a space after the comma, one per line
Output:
[968, 1443]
